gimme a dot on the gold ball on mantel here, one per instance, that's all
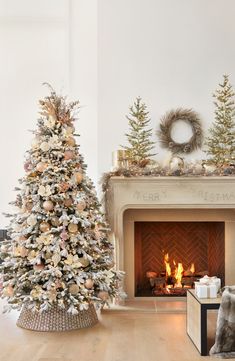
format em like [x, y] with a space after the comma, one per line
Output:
[41, 166]
[72, 227]
[44, 227]
[48, 205]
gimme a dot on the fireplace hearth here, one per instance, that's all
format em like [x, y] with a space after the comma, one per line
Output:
[171, 256]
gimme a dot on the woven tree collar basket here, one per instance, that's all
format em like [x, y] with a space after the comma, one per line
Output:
[56, 319]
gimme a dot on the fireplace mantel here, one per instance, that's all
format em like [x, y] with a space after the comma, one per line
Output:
[184, 194]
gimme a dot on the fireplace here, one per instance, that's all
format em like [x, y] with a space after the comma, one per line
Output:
[171, 256]
[203, 203]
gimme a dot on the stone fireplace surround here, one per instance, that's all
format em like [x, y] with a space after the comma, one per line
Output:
[168, 199]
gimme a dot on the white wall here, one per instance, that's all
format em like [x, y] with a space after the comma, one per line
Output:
[171, 53]
[33, 43]
[105, 53]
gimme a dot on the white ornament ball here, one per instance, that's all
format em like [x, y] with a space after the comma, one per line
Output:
[48, 205]
[34, 143]
[103, 295]
[89, 283]
[44, 146]
[41, 166]
[31, 220]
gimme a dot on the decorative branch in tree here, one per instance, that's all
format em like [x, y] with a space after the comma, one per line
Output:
[221, 141]
[139, 138]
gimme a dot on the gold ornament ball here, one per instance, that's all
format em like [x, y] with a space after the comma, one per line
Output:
[78, 177]
[39, 267]
[68, 202]
[74, 289]
[55, 221]
[44, 227]
[41, 166]
[89, 283]
[84, 261]
[29, 206]
[73, 228]
[48, 205]
[71, 142]
[81, 205]
[103, 295]
[70, 130]
[68, 154]
[8, 291]
[23, 251]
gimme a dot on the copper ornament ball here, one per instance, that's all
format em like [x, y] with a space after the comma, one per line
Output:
[41, 166]
[68, 154]
[44, 227]
[68, 202]
[81, 205]
[73, 227]
[103, 295]
[89, 283]
[48, 205]
[39, 267]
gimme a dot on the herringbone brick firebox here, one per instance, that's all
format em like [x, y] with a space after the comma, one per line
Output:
[201, 243]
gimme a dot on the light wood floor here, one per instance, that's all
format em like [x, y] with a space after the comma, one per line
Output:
[121, 335]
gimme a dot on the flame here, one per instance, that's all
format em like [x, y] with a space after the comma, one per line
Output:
[167, 264]
[178, 274]
[192, 268]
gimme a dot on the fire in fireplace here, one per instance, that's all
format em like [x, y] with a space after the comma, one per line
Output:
[193, 249]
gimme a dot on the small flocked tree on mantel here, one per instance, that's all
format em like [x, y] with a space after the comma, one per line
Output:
[58, 256]
[139, 138]
[221, 141]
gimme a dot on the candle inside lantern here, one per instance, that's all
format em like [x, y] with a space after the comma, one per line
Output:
[120, 159]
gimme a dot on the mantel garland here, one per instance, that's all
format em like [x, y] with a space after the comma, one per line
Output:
[189, 116]
[155, 170]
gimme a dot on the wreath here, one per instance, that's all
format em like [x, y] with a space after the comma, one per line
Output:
[167, 121]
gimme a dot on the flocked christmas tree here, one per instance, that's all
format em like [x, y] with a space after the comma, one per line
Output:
[58, 252]
[139, 138]
[221, 141]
